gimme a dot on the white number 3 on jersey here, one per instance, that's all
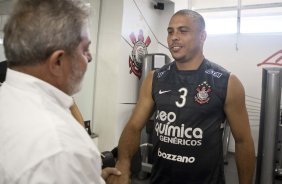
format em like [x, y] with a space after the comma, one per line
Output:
[182, 100]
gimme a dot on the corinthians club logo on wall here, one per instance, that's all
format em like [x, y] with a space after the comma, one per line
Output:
[138, 52]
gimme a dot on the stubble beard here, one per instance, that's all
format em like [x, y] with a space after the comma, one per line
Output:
[75, 80]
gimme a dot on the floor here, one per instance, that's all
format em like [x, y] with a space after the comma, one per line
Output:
[231, 176]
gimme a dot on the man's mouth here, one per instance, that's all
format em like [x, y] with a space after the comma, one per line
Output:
[175, 48]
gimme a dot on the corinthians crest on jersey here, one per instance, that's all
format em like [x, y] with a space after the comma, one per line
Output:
[203, 92]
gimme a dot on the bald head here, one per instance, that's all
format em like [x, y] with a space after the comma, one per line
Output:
[197, 18]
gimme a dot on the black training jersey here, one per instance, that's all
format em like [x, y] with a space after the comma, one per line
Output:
[188, 124]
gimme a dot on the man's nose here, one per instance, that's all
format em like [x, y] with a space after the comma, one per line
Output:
[175, 36]
[89, 57]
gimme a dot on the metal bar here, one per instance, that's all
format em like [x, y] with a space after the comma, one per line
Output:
[146, 167]
[269, 124]
[239, 7]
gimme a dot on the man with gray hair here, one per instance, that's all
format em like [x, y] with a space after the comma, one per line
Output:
[46, 45]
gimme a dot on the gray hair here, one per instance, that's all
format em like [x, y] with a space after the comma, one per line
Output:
[37, 28]
[198, 18]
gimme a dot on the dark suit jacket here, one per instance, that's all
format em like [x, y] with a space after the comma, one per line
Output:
[3, 70]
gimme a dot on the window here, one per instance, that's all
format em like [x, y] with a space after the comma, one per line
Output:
[221, 22]
[256, 16]
[208, 4]
[266, 20]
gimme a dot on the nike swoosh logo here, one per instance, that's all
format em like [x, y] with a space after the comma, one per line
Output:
[162, 92]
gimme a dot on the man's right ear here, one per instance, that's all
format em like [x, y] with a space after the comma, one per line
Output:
[55, 62]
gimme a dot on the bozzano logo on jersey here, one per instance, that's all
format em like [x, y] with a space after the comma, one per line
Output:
[176, 158]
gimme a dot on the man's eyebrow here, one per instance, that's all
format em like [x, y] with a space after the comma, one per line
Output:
[185, 27]
[180, 27]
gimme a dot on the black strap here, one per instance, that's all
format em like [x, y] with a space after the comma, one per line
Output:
[3, 71]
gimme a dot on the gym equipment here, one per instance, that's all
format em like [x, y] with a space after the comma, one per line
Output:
[225, 141]
[149, 62]
[268, 166]
[109, 159]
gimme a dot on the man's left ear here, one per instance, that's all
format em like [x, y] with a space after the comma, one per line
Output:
[203, 35]
[55, 62]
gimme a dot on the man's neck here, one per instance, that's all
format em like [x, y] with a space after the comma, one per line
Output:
[39, 71]
[192, 64]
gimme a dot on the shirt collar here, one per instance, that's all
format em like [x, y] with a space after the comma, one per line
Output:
[35, 85]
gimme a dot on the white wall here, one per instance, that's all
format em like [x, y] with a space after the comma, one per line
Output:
[106, 75]
[2, 22]
[116, 88]
[252, 50]
[5, 7]
[137, 15]
[162, 28]
[85, 97]
[182, 4]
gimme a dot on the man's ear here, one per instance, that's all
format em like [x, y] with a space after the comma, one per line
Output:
[203, 36]
[55, 62]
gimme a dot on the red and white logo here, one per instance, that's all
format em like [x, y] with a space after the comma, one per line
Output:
[202, 96]
[274, 59]
[138, 52]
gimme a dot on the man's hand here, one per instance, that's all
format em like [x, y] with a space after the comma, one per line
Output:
[108, 171]
[124, 178]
